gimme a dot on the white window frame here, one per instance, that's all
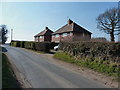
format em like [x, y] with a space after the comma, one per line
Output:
[71, 34]
[36, 37]
[57, 35]
[65, 34]
[41, 36]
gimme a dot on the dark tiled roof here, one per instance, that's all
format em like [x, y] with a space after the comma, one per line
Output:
[43, 32]
[65, 28]
[72, 27]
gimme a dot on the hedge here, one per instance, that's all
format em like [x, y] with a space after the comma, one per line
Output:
[109, 51]
[29, 45]
[16, 43]
[38, 46]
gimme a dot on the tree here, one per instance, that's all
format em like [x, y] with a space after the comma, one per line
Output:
[3, 31]
[108, 22]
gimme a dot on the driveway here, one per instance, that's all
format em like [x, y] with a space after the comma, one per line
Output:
[39, 72]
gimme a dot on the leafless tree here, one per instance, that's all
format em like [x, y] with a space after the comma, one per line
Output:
[108, 22]
[3, 32]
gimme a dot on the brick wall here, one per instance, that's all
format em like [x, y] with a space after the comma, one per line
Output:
[81, 36]
[41, 39]
[56, 39]
[47, 38]
[71, 37]
[36, 40]
[44, 38]
[62, 38]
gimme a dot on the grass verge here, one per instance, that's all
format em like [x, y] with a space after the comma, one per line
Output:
[8, 77]
[110, 69]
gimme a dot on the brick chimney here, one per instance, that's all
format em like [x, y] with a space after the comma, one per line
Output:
[69, 22]
[46, 28]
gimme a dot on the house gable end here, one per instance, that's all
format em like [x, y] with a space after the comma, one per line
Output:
[77, 28]
[48, 32]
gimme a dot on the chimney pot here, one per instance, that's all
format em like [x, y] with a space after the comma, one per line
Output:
[70, 21]
[46, 27]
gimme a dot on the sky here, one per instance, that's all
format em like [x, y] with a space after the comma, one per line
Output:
[29, 18]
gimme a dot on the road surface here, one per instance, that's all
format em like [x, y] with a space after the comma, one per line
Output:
[39, 72]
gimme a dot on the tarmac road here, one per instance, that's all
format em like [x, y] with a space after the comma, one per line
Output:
[39, 72]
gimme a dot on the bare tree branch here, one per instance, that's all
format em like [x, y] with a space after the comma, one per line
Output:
[108, 22]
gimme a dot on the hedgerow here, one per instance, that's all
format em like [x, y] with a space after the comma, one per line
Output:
[106, 51]
[38, 46]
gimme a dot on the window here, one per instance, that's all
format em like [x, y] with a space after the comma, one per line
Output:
[36, 37]
[71, 33]
[41, 36]
[57, 35]
[64, 34]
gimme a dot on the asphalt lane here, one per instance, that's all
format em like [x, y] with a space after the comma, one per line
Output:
[41, 73]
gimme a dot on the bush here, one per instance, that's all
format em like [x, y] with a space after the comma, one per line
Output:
[29, 45]
[15, 43]
[38, 46]
[22, 44]
[102, 50]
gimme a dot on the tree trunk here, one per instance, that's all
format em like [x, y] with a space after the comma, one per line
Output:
[112, 36]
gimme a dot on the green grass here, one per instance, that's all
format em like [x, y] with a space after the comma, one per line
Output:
[110, 69]
[8, 80]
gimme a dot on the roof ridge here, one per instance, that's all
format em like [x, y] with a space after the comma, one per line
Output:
[60, 28]
[43, 32]
[73, 25]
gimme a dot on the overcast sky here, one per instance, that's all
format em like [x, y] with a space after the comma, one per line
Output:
[29, 18]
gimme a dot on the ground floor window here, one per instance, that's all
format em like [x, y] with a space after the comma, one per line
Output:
[64, 34]
[57, 35]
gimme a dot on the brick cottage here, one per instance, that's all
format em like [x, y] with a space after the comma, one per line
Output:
[71, 32]
[45, 35]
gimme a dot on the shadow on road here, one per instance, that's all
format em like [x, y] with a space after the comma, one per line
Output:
[51, 52]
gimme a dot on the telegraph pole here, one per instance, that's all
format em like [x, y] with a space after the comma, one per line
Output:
[11, 34]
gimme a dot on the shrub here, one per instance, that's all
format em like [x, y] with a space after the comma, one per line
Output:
[42, 46]
[15, 43]
[29, 45]
[102, 50]
[38, 46]
[22, 44]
